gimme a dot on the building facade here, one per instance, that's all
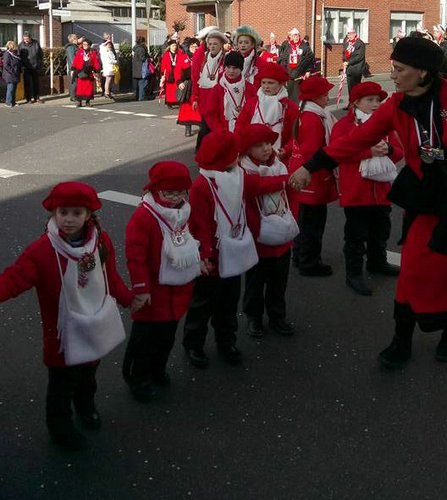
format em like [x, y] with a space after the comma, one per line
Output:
[324, 21]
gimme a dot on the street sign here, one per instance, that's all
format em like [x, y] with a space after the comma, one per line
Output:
[62, 13]
[45, 5]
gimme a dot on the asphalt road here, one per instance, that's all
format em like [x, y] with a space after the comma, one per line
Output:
[306, 417]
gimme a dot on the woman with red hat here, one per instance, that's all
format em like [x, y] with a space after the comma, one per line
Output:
[273, 225]
[364, 183]
[313, 129]
[73, 269]
[417, 112]
[271, 107]
[163, 260]
[227, 249]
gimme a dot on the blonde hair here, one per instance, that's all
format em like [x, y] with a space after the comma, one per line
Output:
[11, 45]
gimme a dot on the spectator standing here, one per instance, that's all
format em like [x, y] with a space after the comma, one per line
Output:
[353, 58]
[297, 58]
[399, 34]
[86, 64]
[70, 50]
[108, 62]
[31, 55]
[12, 68]
[140, 54]
[168, 64]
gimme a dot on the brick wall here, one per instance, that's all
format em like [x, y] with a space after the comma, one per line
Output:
[267, 16]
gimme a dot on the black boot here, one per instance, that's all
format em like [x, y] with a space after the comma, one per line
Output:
[386, 269]
[64, 434]
[398, 353]
[254, 326]
[188, 130]
[358, 284]
[441, 349]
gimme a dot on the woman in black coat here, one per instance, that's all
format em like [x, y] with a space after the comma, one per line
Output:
[140, 56]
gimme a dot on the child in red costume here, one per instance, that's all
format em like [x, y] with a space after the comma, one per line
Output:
[230, 95]
[163, 259]
[365, 200]
[73, 269]
[273, 226]
[313, 132]
[227, 248]
[273, 108]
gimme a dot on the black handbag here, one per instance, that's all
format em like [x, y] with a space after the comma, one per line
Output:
[184, 94]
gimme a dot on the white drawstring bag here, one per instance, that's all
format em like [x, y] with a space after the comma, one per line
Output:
[237, 255]
[378, 168]
[277, 229]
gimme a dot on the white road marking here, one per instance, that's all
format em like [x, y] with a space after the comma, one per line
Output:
[117, 112]
[124, 112]
[5, 174]
[126, 199]
[393, 258]
[146, 115]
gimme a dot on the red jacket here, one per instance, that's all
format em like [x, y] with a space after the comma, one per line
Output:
[202, 223]
[200, 95]
[291, 113]
[311, 136]
[215, 117]
[143, 253]
[259, 63]
[355, 190]
[254, 222]
[423, 273]
[37, 267]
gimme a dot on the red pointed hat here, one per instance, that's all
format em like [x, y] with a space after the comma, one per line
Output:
[364, 89]
[168, 176]
[274, 71]
[314, 87]
[218, 151]
[255, 134]
[72, 194]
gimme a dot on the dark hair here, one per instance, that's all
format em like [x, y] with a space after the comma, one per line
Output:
[88, 41]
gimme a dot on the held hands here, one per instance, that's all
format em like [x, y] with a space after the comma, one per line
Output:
[206, 267]
[181, 85]
[139, 301]
[380, 149]
[300, 179]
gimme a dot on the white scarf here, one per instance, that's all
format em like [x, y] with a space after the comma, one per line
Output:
[271, 203]
[230, 187]
[210, 69]
[234, 99]
[180, 247]
[250, 68]
[329, 119]
[87, 299]
[270, 111]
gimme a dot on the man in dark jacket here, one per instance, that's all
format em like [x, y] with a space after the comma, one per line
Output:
[298, 59]
[70, 51]
[353, 58]
[32, 56]
[140, 55]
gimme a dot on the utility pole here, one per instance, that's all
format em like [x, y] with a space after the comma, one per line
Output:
[148, 17]
[50, 25]
[134, 22]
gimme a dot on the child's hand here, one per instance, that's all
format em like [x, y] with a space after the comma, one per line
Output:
[206, 267]
[139, 301]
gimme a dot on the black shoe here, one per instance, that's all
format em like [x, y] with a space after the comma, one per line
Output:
[254, 327]
[318, 270]
[282, 327]
[441, 350]
[357, 283]
[142, 391]
[78, 104]
[90, 420]
[197, 357]
[386, 269]
[397, 354]
[230, 354]
[65, 435]
[88, 104]
[162, 379]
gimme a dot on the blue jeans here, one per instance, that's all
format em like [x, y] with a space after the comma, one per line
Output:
[11, 93]
[139, 85]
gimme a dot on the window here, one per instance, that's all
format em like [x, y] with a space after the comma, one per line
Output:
[406, 21]
[200, 21]
[141, 13]
[7, 32]
[336, 22]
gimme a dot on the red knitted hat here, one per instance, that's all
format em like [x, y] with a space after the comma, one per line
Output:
[168, 176]
[364, 89]
[255, 134]
[314, 87]
[218, 151]
[274, 71]
[72, 194]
